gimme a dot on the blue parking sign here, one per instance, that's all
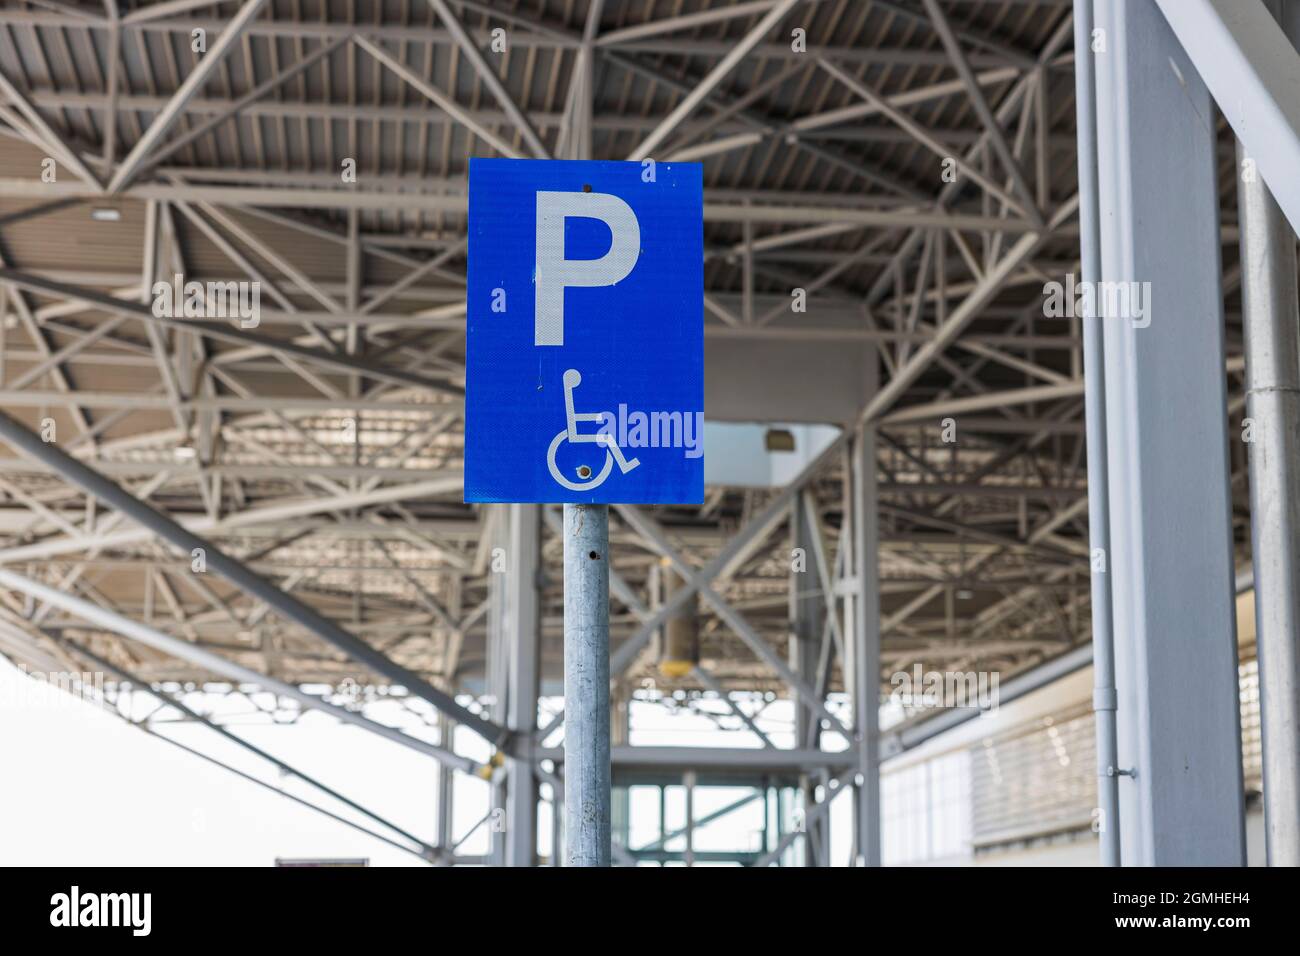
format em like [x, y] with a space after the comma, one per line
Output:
[585, 332]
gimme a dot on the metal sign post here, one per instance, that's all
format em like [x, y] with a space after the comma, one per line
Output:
[585, 386]
[586, 685]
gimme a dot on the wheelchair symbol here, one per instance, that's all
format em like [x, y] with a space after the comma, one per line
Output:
[572, 379]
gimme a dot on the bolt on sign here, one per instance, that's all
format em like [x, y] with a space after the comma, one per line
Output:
[585, 332]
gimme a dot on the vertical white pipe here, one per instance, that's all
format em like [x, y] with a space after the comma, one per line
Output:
[1103, 641]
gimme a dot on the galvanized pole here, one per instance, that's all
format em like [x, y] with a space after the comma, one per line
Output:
[1104, 697]
[587, 796]
[586, 685]
[1272, 330]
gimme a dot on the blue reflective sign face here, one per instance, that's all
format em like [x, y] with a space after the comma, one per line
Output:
[585, 329]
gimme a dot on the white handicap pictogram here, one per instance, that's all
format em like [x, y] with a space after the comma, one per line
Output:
[572, 379]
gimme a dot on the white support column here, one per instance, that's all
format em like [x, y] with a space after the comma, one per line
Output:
[863, 650]
[446, 787]
[1166, 413]
[496, 676]
[620, 726]
[807, 612]
[688, 784]
[522, 636]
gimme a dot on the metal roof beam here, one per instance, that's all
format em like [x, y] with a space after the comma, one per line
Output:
[1250, 67]
[117, 623]
[706, 85]
[194, 82]
[161, 524]
[489, 77]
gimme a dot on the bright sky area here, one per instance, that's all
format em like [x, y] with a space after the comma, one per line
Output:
[81, 787]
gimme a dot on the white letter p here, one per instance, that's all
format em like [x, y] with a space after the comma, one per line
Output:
[555, 272]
